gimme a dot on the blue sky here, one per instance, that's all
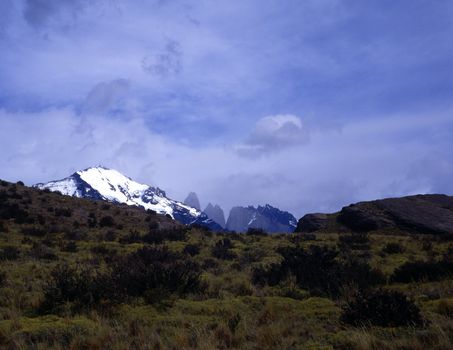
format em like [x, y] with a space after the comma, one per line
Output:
[306, 105]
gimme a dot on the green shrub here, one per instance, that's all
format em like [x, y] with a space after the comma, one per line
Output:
[318, 270]
[80, 285]
[423, 271]
[9, 253]
[107, 221]
[382, 308]
[393, 248]
[191, 249]
[256, 232]
[222, 250]
[152, 268]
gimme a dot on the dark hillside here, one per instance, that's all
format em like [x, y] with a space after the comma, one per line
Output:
[425, 214]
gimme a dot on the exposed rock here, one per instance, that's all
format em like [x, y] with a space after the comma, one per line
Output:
[193, 201]
[266, 217]
[432, 214]
[215, 213]
[312, 222]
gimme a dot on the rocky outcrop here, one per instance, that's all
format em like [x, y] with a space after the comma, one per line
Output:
[422, 213]
[312, 222]
[431, 214]
[193, 201]
[215, 213]
[266, 217]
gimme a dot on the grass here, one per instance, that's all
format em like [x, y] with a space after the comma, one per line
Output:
[229, 312]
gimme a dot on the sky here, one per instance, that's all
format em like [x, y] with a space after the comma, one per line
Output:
[307, 105]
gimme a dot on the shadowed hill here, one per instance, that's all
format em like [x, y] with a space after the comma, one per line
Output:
[44, 211]
[429, 214]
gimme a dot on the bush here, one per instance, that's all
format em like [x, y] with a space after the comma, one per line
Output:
[318, 270]
[393, 248]
[222, 250]
[76, 235]
[355, 241]
[106, 221]
[132, 237]
[3, 227]
[382, 308]
[191, 249]
[9, 253]
[423, 271]
[70, 247]
[103, 250]
[13, 211]
[110, 236]
[66, 212]
[80, 285]
[39, 251]
[35, 231]
[170, 234]
[153, 268]
[256, 232]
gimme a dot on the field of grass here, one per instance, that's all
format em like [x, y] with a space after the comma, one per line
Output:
[208, 291]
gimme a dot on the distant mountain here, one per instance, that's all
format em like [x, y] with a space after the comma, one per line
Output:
[431, 213]
[265, 217]
[193, 201]
[215, 213]
[110, 185]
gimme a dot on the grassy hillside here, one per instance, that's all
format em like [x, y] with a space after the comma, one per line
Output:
[80, 274]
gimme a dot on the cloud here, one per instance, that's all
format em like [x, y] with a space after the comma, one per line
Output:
[106, 95]
[40, 13]
[273, 134]
[331, 172]
[167, 62]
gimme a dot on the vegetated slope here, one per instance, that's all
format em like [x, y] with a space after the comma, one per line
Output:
[43, 211]
[431, 213]
[87, 274]
[110, 185]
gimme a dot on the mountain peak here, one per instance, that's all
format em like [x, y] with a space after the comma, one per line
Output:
[266, 217]
[215, 212]
[102, 183]
[192, 200]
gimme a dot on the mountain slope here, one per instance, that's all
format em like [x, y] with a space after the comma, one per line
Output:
[215, 212]
[431, 213]
[110, 185]
[265, 217]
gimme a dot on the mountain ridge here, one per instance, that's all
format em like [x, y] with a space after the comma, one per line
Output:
[266, 217]
[102, 183]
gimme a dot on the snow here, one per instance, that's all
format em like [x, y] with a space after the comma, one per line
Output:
[108, 183]
[252, 219]
[115, 187]
[67, 187]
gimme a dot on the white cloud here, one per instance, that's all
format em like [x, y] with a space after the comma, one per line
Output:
[273, 134]
[334, 168]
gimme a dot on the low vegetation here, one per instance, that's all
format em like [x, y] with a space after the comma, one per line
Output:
[80, 274]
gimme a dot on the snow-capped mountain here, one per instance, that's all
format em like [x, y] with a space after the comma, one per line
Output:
[101, 183]
[266, 217]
